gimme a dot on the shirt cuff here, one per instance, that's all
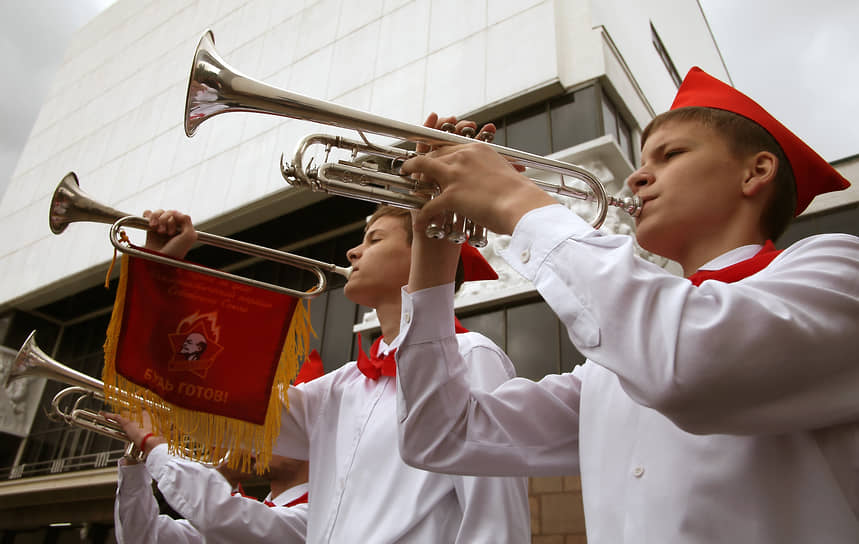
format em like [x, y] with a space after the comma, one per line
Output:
[133, 474]
[539, 232]
[157, 460]
[427, 314]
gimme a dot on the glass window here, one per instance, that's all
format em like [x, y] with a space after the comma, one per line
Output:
[490, 324]
[532, 340]
[616, 126]
[500, 134]
[575, 119]
[529, 131]
[337, 343]
[609, 119]
[625, 141]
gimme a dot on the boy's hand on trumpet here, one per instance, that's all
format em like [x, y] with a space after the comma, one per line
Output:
[170, 232]
[476, 182]
[140, 434]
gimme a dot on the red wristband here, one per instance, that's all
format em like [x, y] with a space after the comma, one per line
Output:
[146, 437]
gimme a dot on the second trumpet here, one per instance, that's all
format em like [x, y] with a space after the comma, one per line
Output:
[70, 204]
[214, 88]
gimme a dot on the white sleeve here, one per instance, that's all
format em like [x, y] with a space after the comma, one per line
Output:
[249, 520]
[136, 517]
[520, 427]
[306, 403]
[203, 497]
[775, 352]
[493, 509]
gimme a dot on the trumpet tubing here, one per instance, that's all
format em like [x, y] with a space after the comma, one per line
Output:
[215, 88]
[70, 204]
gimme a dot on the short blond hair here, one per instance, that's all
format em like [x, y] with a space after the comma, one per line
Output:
[385, 210]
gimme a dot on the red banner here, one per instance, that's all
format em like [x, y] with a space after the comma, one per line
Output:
[200, 342]
[218, 353]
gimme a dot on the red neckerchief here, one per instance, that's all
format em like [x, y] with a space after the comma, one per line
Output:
[300, 500]
[740, 270]
[241, 492]
[375, 366]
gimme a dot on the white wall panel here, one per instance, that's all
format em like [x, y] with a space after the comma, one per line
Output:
[114, 111]
[520, 52]
[456, 77]
[454, 20]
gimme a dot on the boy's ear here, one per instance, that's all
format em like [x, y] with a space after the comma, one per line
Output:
[763, 166]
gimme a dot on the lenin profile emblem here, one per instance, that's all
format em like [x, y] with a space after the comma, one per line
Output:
[195, 344]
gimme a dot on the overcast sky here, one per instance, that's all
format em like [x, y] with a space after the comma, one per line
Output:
[798, 58]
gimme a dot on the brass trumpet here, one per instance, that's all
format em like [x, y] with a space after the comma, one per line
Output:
[70, 204]
[215, 88]
[31, 361]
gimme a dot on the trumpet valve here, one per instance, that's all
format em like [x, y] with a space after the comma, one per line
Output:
[486, 136]
[457, 228]
[477, 235]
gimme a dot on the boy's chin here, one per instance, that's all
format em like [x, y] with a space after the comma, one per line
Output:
[650, 240]
[355, 293]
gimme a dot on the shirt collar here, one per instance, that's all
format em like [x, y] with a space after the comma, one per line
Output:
[733, 257]
[384, 347]
[289, 495]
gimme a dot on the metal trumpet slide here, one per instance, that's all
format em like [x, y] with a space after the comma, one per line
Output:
[32, 361]
[215, 88]
[70, 204]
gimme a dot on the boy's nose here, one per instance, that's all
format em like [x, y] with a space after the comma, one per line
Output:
[638, 179]
[353, 254]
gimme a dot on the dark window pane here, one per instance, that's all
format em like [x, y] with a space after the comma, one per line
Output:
[625, 139]
[500, 135]
[609, 119]
[575, 119]
[532, 340]
[529, 131]
[337, 343]
[844, 219]
[318, 309]
[490, 324]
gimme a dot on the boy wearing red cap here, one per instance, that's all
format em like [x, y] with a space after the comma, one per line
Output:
[721, 407]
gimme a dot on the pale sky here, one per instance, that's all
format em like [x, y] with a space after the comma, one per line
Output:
[797, 58]
[34, 35]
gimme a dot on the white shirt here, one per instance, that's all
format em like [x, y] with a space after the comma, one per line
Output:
[722, 413]
[135, 512]
[202, 496]
[360, 489]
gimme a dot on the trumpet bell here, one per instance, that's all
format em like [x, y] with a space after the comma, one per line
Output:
[32, 361]
[70, 204]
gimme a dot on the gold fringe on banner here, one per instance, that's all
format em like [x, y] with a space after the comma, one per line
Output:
[200, 435]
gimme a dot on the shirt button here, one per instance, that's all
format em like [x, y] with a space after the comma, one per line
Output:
[407, 317]
[638, 472]
[525, 256]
